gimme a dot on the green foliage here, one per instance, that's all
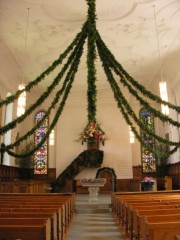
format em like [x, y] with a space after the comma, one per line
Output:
[162, 166]
[26, 162]
[72, 56]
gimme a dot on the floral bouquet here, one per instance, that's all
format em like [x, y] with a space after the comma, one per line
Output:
[87, 181]
[148, 180]
[93, 180]
[92, 133]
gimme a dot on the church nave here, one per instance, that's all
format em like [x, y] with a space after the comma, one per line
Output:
[93, 220]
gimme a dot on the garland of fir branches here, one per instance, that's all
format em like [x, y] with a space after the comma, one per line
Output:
[110, 66]
[48, 91]
[53, 104]
[70, 78]
[124, 79]
[127, 112]
[116, 65]
[91, 58]
[119, 95]
[56, 63]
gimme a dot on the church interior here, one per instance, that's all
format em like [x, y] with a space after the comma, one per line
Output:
[89, 93]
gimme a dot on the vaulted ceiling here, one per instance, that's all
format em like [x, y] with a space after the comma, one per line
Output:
[33, 33]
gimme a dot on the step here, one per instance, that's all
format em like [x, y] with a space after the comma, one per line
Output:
[95, 208]
[86, 211]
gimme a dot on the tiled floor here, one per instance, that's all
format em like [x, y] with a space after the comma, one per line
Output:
[93, 220]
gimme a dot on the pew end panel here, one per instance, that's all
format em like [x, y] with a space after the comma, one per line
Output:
[159, 230]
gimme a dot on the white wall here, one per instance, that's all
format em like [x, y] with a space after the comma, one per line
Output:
[174, 133]
[117, 150]
[119, 154]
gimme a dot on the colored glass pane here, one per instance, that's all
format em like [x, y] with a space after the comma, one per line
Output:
[148, 160]
[40, 164]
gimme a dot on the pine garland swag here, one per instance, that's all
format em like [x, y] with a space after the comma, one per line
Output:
[110, 65]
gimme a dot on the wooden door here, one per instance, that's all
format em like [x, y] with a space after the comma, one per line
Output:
[108, 185]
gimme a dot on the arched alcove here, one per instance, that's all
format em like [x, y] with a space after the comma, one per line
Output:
[110, 176]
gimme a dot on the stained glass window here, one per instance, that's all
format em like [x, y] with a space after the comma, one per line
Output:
[41, 156]
[148, 160]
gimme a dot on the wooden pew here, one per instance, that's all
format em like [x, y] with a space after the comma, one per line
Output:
[51, 216]
[63, 204]
[159, 230]
[127, 205]
[67, 199]
[119, 198]
[132, 214]
[125, 214]
[25, 229]
[122, 201]
[59, 228]
[138, 215]
[64, 208]
[116, 197]
[42, 208]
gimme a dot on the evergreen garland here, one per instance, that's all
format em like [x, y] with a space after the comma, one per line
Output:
[48, 91]
[134, 83]
[69, 79]
[57, 62]
[110, 65]
[122, 101]
[91, 58]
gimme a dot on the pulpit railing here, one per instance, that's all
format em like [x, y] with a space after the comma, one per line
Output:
[88, 158]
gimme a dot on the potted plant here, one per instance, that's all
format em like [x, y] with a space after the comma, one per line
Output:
[147, 184]
[163, 154]
[162, 166]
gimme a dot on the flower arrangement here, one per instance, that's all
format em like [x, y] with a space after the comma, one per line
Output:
[93, 180]
[148, 180]
[92, 133]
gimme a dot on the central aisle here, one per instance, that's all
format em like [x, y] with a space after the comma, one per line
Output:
[93, 220]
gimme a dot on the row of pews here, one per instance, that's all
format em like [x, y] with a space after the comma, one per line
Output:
[36, 216]
[147, 215]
